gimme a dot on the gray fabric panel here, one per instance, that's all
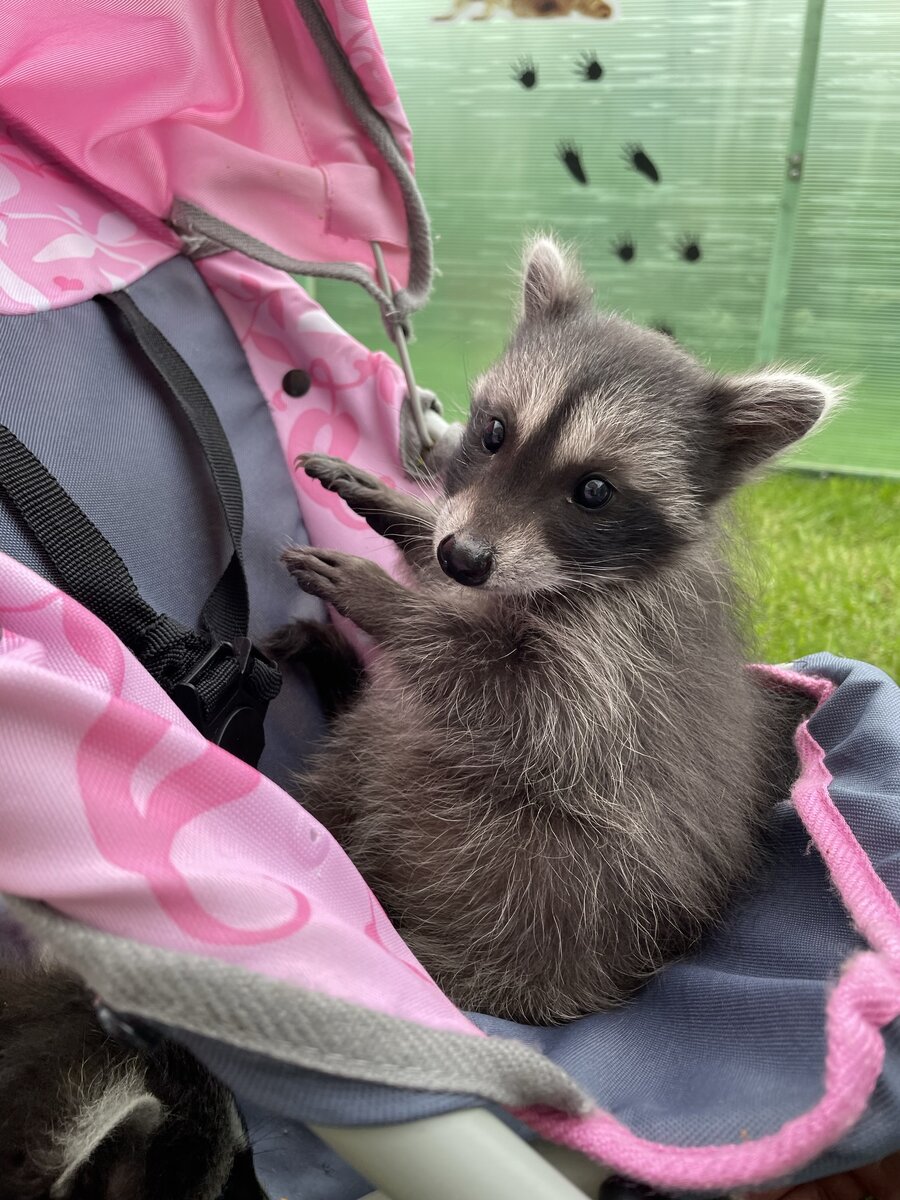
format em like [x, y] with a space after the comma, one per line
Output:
[312, 1096]
[273, 1019]
[85, 401]
[861, 735]
[175, 298]
[88, 406]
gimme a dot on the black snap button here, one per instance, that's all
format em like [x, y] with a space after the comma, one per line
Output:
[296, 382]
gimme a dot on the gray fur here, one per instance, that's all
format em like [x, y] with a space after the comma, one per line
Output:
[86, 1117]
[556, 780]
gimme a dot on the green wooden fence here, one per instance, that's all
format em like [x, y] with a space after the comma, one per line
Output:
[771, 232]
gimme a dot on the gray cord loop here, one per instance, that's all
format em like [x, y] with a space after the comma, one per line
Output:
[396, 325]
[396, 318]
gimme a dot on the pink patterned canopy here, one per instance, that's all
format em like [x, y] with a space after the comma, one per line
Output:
[116, 112]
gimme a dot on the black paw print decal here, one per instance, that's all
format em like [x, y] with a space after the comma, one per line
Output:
[624, 248]
[588, 68]
[688, 247]
[525, 71]
[639, 160]
[570, 156]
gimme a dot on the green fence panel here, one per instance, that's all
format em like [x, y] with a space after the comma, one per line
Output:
[843, 307]
[657, 143]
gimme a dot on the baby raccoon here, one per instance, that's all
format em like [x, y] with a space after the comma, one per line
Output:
[556, 773]
[86, 1117]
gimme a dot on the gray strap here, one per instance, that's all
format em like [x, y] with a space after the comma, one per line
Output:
[210, 235]
[265, 1016]
[421, 267]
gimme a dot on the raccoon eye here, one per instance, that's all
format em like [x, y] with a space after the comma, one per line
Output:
[593, 492]
[492, 435]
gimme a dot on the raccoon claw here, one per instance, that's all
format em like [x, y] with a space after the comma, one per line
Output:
[352, 585]
[335, 473]
[351, 484]
[356, 587]
[400, 518]
[316, 571]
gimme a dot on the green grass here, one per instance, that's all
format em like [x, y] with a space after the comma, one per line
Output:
[823, 567]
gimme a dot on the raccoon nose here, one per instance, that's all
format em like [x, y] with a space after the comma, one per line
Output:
[465, 559]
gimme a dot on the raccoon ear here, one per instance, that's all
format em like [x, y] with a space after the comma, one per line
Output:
[104, 1149]
[763, 414]
[552, 282]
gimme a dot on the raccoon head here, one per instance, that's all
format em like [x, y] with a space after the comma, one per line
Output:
[596, 450]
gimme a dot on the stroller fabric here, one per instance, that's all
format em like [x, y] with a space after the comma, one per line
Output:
[187, 887]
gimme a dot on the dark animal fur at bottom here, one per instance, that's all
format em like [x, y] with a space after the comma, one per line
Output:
[85, 1116]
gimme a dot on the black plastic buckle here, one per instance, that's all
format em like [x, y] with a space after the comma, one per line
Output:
[236, 724]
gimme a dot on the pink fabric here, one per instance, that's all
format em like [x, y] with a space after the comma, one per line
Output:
[864, 1000]
[118, 813]
[227, 105]
[115, 810]
[352, 409]
[351, 22]
[60, 242]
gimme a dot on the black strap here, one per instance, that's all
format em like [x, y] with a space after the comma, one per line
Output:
[86, 564]
[218, 678]
[227, 609]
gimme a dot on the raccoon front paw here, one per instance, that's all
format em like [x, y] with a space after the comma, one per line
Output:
[359, 589]
[397, 516]
[294, 641]
[322, 573]
[350, 483]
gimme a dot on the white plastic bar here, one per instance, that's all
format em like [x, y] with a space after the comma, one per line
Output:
[465, 1155]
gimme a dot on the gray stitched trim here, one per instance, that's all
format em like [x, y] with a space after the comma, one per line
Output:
[196, 246]
[262, 1015]
[193, 222]
[197, 226]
